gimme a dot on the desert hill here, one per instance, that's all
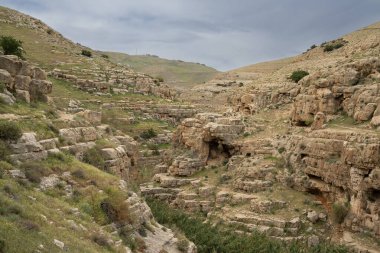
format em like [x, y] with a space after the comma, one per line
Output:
[254, 159]
[175, 72]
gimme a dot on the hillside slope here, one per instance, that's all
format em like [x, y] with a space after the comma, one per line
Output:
[174, 72]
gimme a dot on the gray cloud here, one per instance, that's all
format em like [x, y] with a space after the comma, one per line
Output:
[224, 34]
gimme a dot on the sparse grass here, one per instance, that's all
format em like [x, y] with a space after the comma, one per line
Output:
[182, 74]
[339, 212]
[219, 238]
[94, 157]
[148, 134]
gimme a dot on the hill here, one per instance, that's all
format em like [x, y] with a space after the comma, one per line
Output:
[251, 160]
[175, 72]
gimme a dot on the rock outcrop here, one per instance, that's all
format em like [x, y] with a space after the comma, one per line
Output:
[352, 88]
[26, 82]
[342, 166]
[211, 136]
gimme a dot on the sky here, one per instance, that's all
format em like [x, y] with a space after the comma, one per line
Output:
[224, 34]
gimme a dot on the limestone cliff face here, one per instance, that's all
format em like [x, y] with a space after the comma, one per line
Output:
[210, 135]
[26, 82]
[342, 166]
[352, 88]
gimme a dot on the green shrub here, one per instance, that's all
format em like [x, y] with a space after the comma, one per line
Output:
[94, 157]
[332, 45]
[9, 131]
[34, 171]
[3, 248]
[339, 211]
[11, 46]
[51, 113]
[101, 240]
[115, 208]
[148, 134]
[298, 75]
[86, 53]
[79, 174]
[4, 151]
[29, 225]
[105, 56]
[2, 87]
[183, 245]
[142, 231]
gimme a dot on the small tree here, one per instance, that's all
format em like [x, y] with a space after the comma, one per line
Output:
[11, 46]
[87, 53]
[298, 75]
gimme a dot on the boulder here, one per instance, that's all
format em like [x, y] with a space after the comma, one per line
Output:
[22, 82]
[49, 182]
[313, 216]
[7, 99]
[6, 78]
[11, 64]
[23, 95]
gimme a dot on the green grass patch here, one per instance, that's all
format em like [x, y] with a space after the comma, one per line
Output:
[219, 238]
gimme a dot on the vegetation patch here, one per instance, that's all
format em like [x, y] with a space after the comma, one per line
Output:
[9, 131]
[340, 211]
[298, 75]
[86, 53]
[94, 157]
[219, 238]
[334, 44]
[148, 134]
[11, 46]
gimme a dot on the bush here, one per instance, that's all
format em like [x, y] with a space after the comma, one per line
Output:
[2, 87]
[34, 171]
[94, 157]
[148, 134]
[298, 75]
[334, 44]
[3, 248]
[183, 245]
[115, 208]
[86, 53]
[101, 240]
[11, 46]
[29, 225]
[9, 131]
[105, 56]
[6, 166]
[4, 151]
[79, 174]
[339, 211]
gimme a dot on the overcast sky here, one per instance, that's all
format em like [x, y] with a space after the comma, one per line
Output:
[224, 34]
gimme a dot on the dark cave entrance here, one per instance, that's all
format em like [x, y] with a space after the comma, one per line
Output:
[219, 151]
[373, 195]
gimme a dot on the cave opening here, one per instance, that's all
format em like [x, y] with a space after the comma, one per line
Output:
[219, 151]
[373, 195]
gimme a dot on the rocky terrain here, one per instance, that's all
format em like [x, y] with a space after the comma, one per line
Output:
[294, 160]
[86, 144]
